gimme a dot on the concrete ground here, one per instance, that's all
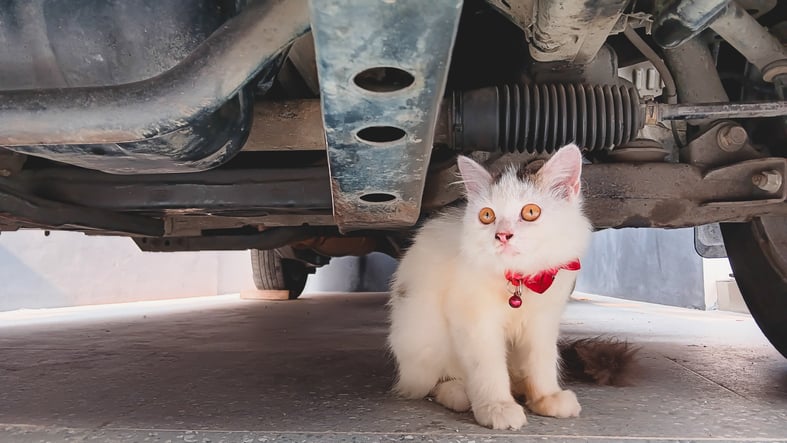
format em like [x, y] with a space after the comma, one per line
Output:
[220, 369]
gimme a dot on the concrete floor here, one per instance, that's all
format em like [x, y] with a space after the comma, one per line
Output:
[221, 369]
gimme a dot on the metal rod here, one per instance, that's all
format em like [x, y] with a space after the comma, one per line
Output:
[690, 111]
[199, 84]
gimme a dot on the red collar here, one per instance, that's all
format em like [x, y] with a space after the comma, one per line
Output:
[542, 280]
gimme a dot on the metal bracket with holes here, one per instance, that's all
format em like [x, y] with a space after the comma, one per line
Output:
[382, 68]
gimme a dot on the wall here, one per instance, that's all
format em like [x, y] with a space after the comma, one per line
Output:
[653, 265]
[67, 269]
[70, 269]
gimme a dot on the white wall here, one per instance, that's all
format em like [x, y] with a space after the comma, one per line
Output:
[652, 265]
[67, 269]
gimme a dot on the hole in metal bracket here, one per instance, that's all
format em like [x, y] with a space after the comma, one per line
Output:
[377, 197]
[383, 79]
[380, 134]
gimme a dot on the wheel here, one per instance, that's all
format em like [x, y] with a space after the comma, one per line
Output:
[758, 255]
[272, 272]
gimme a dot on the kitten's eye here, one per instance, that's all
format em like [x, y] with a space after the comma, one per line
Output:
[531, 212]
[487, 215]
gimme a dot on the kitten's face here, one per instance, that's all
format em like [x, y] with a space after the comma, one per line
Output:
[525, 222]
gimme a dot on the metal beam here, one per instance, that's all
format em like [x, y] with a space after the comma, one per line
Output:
[382, 68]
[18, 207]
[240, 192]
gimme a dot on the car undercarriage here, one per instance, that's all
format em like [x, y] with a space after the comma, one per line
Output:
[325, 128]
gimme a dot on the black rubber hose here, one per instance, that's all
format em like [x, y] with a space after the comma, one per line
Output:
[544, 117]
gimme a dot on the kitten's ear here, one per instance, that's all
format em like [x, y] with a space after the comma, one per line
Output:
[562, 172]
[475, 177]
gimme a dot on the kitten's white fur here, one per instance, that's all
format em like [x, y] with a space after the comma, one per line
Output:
[453, 333]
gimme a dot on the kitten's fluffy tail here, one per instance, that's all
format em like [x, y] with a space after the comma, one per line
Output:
[605, 361]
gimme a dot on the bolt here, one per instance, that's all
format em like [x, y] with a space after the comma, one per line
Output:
[768, 181]
[731, 137]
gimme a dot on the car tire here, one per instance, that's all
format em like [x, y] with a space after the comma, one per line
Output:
[758, 255]
[272, 272]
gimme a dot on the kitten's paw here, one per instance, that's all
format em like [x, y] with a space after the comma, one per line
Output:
[500, 415]
[452, 395]
[561, 404]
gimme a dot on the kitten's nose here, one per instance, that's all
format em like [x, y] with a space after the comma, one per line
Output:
[504, 237]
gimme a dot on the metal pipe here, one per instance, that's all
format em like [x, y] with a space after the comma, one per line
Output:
[670, 90]
[198, 85]
[751, 39]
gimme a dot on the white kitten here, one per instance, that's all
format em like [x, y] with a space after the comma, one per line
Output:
[453, 332]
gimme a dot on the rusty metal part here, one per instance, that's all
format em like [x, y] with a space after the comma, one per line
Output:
[380, 133]
[294, 125]
[670, 195]
[769, 181]
[238, 192]
[678, 195]
[22, 209]
[706, 150]
[269, 239]
[751, 39]
[731, 137]
[680, 21]
[573, 31]
[201, 83]
[340, 246]
[193, 225]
